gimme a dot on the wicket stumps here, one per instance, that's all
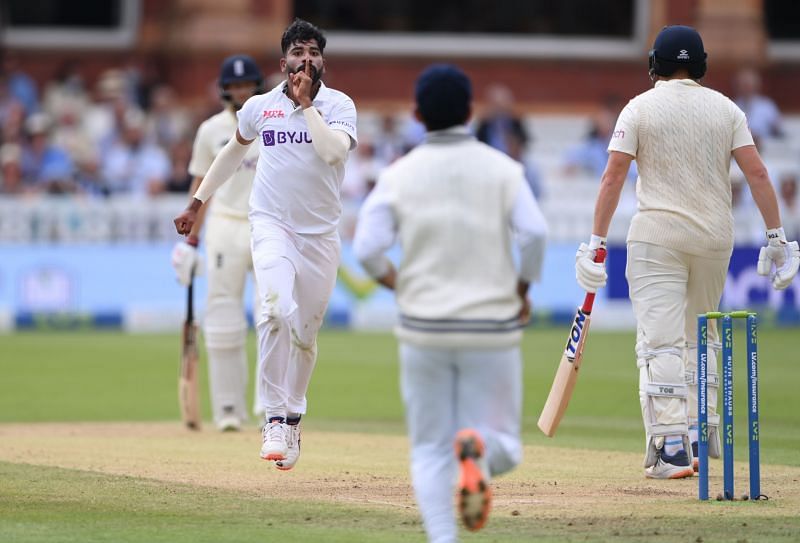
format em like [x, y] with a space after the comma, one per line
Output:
[726, 372]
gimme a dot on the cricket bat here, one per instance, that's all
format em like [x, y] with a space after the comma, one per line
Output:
[567, 373]
[188, 394]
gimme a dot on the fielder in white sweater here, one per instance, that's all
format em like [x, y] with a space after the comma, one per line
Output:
[682, 136]
[456, 206]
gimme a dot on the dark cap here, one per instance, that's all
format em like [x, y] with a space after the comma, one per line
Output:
[443, 94]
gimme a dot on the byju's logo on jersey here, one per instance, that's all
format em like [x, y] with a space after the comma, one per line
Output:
[276, 137]
[683, 55]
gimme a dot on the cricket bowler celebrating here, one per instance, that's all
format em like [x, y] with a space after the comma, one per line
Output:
[682, 136]
[227, 246]
[304, 131]
[455, 205]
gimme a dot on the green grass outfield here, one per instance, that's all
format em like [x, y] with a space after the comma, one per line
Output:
[96, 376]
[116, 377]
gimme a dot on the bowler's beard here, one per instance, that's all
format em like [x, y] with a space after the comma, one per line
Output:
[316, 75]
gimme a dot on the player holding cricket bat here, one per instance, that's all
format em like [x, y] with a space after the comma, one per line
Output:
[227, 246]
[682, 136]
[567, 372]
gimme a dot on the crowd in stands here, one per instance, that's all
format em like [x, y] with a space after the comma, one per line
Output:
[126, 135]
[129, 134]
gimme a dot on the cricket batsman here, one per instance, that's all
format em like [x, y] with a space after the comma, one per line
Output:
[303, 131]
[456, 206]
[227, 246]
[682, 136]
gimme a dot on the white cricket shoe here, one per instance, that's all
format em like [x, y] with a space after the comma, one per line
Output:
[670, 467]
[276, 443]
[293, 451]
[229, 424]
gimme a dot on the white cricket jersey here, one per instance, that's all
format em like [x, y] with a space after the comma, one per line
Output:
[294, 186]
[232, 198]
[682, 135]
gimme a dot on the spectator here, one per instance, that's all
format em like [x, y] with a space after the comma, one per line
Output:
[168, 122]
[789, 204]
[590, 156]
[361, 172]
[44, 167]
[10, 171]
[141, 80]
[179, 178]
[67, 90]
[13, 123]
[500, 120]
[516, 143]
[70, 134]
[763, 115]
[20, 84]
[10, 107]
[89, 179]
[133, 165]
[390, 143]
[103, 119]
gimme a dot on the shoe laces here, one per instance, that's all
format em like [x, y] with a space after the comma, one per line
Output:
[273, 431]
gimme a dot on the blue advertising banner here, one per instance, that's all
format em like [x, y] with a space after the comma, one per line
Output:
[67, 286]
[744, 288]
[133, 285]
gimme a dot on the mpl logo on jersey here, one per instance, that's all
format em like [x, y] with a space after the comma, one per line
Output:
[273, 114]
[279, 137]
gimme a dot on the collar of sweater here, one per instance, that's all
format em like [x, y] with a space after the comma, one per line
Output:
[689, 82]
[454, 134]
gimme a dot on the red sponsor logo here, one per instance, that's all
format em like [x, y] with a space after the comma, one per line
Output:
[273, 114]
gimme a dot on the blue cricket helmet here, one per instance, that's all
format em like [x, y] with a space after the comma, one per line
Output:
[238, 68]
[678, 47]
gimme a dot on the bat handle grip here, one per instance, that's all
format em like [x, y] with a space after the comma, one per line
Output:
[588, 302]
[190, 299]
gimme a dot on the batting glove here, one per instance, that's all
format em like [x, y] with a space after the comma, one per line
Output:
[591, 275]
[186, 261]
[785, 257]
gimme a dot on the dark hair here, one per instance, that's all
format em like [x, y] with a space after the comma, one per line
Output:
[668, 69]
[302, 31]
[443, 94]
